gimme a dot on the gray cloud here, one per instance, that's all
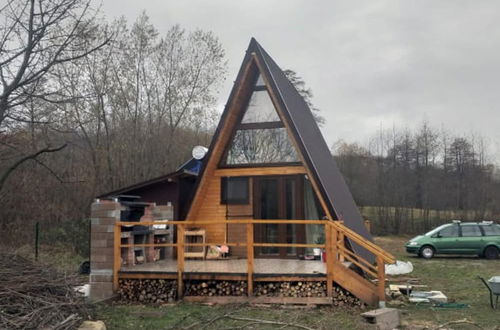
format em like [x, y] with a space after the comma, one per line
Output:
[369, 63]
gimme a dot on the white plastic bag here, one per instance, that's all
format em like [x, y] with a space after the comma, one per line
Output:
[399, 268]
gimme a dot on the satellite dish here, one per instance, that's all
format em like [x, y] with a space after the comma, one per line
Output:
[199, 152]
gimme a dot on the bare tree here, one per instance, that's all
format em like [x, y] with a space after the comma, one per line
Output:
[36, 37]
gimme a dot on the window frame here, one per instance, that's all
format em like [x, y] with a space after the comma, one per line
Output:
[263, 125]
[224, 200]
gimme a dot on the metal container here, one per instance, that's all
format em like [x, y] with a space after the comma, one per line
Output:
[494, 284]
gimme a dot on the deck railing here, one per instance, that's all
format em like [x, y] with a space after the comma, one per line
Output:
[336, 251]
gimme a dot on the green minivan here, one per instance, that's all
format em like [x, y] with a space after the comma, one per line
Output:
[471, 238]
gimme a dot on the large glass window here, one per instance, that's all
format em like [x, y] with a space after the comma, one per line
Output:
[259, 146]
[260, 137]
[260, 109]
[260, 82]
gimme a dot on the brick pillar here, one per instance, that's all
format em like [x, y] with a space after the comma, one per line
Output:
[104, 214]
[148, 216]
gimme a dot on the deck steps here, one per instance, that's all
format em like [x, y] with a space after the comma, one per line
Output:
[356, 284]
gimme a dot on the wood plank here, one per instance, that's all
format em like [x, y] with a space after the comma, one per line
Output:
[331, 256]
[254, 171]
[381, 279]
[358, 261]
[341, 245]
[319, 246]
[370, 246]
[160, 276]
[236, 221]
[180, 259]
[215, 277]
[260, 278]
[250, 256]
[356, 284]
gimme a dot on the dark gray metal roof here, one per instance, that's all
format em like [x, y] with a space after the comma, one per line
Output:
[314, 148]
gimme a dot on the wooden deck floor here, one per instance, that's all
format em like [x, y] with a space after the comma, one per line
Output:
[234, 266]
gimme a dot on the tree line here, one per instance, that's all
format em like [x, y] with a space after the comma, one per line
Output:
[408, 181]
[89, 105]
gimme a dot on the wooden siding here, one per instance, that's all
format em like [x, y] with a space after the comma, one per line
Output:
[212, 209]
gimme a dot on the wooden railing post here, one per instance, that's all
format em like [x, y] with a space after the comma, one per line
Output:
[341, 240]
[116, 254]
[331, 255]
[381, 281]
[180, 260]
[250, 259]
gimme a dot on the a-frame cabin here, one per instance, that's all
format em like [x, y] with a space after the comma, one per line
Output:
[268, 160]
[270, 191]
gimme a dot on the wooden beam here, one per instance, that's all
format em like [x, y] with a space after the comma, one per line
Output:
[254, 171]
[341, 245]
[318, 246]
[381, 280]
[223, 221]
[266, 278]
[250, 259]
[180, 260]
[215, 277]
[152, 276]
[331, 240]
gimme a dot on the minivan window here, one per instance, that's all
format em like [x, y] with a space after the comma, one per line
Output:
[491, 230]
[471, 231]
[451, 231]
[435, 230]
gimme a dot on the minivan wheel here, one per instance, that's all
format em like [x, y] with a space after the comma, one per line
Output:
[427, 252]
[491, 252]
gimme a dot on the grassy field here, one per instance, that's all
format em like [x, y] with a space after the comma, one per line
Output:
[455, 276]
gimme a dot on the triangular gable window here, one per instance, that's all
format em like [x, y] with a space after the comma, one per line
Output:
[261, 137]
[260, 109]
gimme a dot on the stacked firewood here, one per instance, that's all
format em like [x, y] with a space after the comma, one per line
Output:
[147, 291]
[290, 289]
[216, 288]
[342, 297]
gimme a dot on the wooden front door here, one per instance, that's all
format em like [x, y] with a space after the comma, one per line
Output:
[278, 197]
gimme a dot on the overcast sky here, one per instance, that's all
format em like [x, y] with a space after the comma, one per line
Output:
[370, 64]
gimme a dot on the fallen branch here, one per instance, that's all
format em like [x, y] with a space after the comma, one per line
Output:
[33, 296]
[259, 321]
[464, 321]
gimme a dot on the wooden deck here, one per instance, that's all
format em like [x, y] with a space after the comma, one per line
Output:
[274, 267]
